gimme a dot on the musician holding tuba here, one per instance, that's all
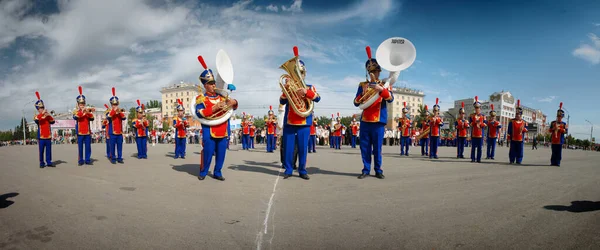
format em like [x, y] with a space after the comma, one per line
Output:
[271, 124]
[404, 125]
[44, 135]
[462, 128]
[492, 133]
[517, 128]
[140, 125]
[299, 99]
[373, 118]
[558, 129]
[215, 135]
[115, 118]
[83, 115]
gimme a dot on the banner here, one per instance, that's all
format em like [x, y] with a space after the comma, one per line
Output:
[63, 124]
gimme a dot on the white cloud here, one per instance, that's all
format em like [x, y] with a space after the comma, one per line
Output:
[445, 73]
[546, 99]
[139, 48]
[590, 53]
[14, 23]
[295, 7]
[597, 24]
[273, 8]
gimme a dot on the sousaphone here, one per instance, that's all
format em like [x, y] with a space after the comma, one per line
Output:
[394, 55]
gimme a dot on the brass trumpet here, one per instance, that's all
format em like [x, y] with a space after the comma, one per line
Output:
[90, 109]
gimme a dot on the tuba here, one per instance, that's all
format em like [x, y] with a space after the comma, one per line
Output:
[224, 75]
[291, 82]
[394, 55]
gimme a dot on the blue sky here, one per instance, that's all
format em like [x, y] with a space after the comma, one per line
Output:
[544, 52]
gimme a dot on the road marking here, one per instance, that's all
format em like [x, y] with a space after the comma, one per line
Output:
[262, 232]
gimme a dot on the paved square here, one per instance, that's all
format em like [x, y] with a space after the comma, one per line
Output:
[159, 203]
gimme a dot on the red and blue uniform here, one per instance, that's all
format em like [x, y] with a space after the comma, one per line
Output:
[405, 134]
[106, 135]
[44, 134]
[478, 123]
[372, 127]
[252, 131]
[312, 140]
[435, 123]
[492, 136]
[462, 128]
[558, 129]
[82, 128]
[294, 124]
[215, 137]
[180, 125]
[424, 141]
[337, 135]
[141, 136]
[115, 128]
[516, 135]
[271, 126]
[245, 134]
[354, 128]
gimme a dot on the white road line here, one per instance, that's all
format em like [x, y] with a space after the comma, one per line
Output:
[262, 232]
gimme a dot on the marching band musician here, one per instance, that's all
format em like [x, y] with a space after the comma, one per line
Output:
[44, 133]
[245, 131]
[252, 129]
[517, 128]
[180, 124]
[478, 123]
[331, 136]
[337, 133]
[106, 134]
[115, 118]
[435, 123]
[271, 124]
[354, 127]
[373, 118]
[214, 138]
[141, 132]
[83, 116]
[312, 140]
[404, 125]
[492, 133]
[462, 127]
[558, 129]
[424, 134]
[296, 129]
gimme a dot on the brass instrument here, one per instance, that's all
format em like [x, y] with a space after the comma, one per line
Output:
[90, 109]
[224, 75]
[425, 132]
[370, 92]
[290, 83]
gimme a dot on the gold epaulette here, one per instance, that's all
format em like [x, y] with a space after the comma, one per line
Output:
[363, 83]
[199, 99]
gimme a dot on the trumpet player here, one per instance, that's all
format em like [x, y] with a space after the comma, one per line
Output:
[492, 133]
[245, 131]
[214, 139]
[435, 123]
[252, 132]
[296, 128]
[373, 118]
[115, 117]
[141, 131]
[558, 129]
[354, 129]
[515, 136]
[44, 134]
[337, 133]
[478, 123]
[180, 124]
[83, 116]
[424, 134]
[462, 127]
[312, 140]
[271, 123]
[404, 125]
[106, 134]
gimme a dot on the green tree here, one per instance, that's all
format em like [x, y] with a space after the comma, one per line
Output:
[259, 122]
[153, 104]
[586, 144]
[132, 115]
[422, 114]
[166, 126]
[323, 120]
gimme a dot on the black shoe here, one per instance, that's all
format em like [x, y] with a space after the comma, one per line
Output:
[221, 178]
[51, 165]
[42, 166]
[113, 162]
[304, 176]
[380, 176]
[406, 154]
[362, 176]
[285, 176]
[201, 177]
[89, 163]
[492, 158]
[295, 167]
[478, 161]
[472, 160]
[183, 157]
[79, 164]
[121, 161]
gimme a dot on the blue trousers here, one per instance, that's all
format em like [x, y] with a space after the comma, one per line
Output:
[216, 147]
[556, 154]
[491, 147]
[515, 153]
[290, 140]
[45, 144]
[460, 147]
[424, 146]
[246, 141]
[116, 142]
[270, 143]
[404, 144]
[477, 146]
[353, 141]
[251, 141]
[142, 147]
[179, 147]
[434, 142]
[312, 143]
[87, 141]
[338, 142]
[331, 141]
[371, 141]
[108, 148]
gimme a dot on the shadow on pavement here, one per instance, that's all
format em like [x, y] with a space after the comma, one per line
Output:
[576, 207]
[259, 167]
[4, 202]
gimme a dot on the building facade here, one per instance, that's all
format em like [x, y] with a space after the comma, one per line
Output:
[413, 99]
[187, 93]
